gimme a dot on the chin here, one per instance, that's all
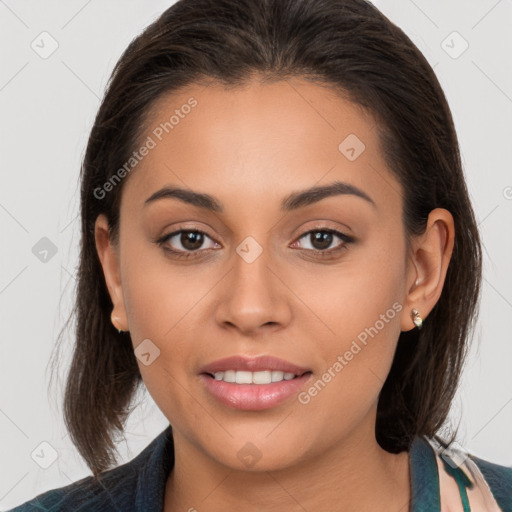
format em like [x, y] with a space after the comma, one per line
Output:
[259, 452]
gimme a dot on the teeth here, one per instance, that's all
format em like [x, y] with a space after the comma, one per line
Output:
[245, 377]
[261, 377]
[277, 376]
[229, 376]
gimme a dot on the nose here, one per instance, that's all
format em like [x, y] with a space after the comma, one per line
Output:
[253, 296]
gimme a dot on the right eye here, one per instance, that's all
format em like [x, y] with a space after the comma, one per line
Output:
[190, 240]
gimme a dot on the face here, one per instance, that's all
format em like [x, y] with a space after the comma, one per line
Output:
[313, 284]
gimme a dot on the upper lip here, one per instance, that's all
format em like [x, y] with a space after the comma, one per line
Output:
[253, 364]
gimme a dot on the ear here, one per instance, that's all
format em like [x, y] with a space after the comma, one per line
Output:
[108, 254]
[428, 262]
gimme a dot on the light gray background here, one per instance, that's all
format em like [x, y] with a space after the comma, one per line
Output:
[48, 106]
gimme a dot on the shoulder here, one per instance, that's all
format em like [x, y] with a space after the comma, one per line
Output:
[126, 487]
[114, 490]
[439, 470]
[86, 494]
[499, 480]
[490, 479]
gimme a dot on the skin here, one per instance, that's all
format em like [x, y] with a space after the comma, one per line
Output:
[250, 147]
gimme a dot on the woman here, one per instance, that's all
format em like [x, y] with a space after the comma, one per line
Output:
[277, 241]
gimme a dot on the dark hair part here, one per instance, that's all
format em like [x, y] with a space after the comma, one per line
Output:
[345, 44]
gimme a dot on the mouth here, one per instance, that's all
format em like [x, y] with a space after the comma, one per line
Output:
[253, 384]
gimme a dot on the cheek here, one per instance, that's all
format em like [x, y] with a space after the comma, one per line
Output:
[157, 294]
[160, 308]
[360, 305]
[364, 290]
[165, 304]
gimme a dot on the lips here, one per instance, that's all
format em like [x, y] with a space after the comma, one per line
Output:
[254, 396]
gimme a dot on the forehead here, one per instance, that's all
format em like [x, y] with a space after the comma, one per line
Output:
[260, 140]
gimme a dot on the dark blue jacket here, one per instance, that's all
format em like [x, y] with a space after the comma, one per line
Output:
[139, 485]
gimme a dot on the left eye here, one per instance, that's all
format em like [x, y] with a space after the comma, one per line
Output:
[321, 239]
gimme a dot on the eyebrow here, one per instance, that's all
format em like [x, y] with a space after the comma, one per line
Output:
[291, 202]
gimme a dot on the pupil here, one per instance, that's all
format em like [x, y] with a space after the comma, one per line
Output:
[191, 240]
[321, 240]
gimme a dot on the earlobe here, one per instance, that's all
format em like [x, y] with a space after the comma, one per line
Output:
[109, 258]
[429, 259]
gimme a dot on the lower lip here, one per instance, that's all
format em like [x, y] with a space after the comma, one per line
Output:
[254, 397]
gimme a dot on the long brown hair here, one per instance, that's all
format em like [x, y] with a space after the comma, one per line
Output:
[346, 44]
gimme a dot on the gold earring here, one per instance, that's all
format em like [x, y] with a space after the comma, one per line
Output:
[114, 320]
[416, 318]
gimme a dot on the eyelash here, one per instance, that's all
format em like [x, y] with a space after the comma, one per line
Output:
[194, 254]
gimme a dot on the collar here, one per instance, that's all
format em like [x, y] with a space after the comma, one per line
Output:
[425, 494]
[150, 486]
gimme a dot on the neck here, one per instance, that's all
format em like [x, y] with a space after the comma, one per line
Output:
[355, 474]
